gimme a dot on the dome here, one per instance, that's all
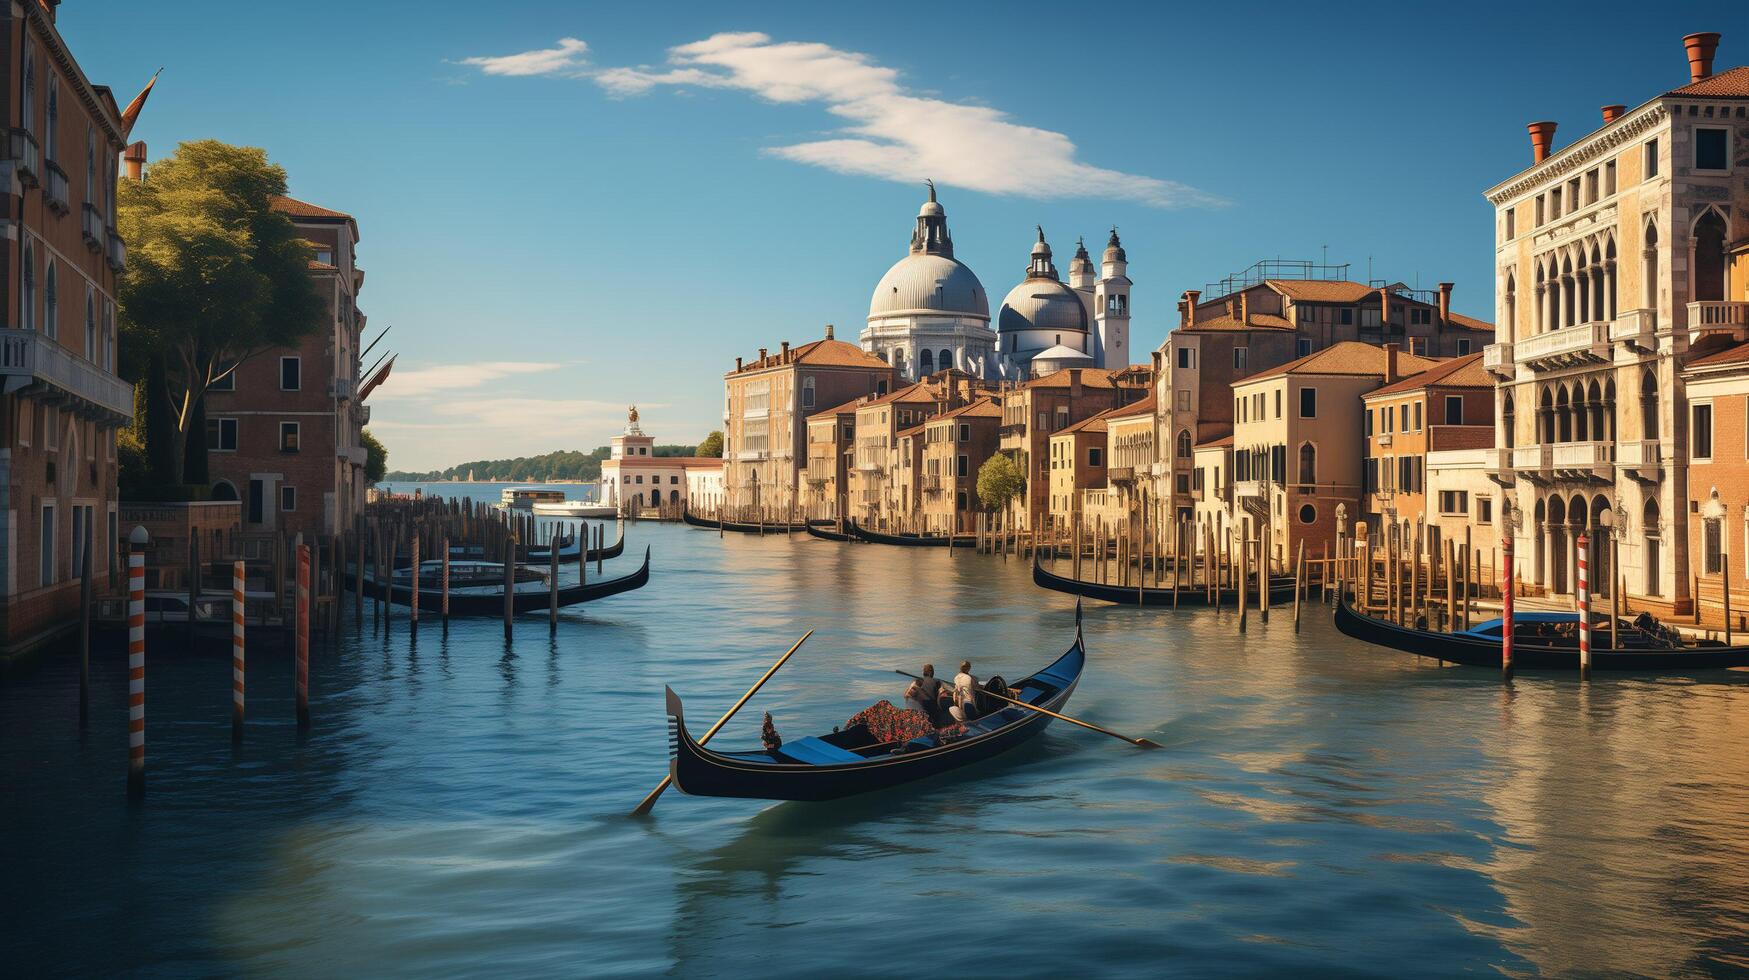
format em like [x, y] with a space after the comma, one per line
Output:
[923, 281]
[1042, 304]
[1054, 359]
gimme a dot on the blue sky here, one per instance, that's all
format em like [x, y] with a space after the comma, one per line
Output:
[613, 216]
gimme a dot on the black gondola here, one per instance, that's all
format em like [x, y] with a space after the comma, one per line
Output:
[911, 540]
[739, 527]
[827, 531]
[847, 762]
[1471, 650]
[1281, 589]
[568, 551]
[490, 602]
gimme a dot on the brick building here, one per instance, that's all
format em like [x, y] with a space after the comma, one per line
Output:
[1034, 410]
[62, 400]
[955, 445]
[1449, 406]
[283, 429]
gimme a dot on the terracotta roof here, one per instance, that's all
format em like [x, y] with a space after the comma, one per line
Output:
[1090, 378]
[1094, 423]
[292, 207]
[1143, 407]
[698, 462]
[1226, 440]
[915, 430]
[324, 266]
[1730, 84]
[1471, 323]
[1212, 432]
[920, 391]
[1349, 357]
[982, 408]
[1321, 291]
[1458, 372]
[849, 407]
[1730, 355]
[820, 353]
[1258, 321]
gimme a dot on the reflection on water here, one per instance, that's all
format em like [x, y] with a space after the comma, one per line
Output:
[459, 807]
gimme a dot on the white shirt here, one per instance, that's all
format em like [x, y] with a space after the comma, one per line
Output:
[967, 687]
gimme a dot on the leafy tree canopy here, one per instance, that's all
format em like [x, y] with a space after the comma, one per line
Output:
[1000, 480]
[712, 445]
[376, 457]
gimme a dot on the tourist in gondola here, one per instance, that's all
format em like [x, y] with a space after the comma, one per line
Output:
[925, 695]
[965, 694]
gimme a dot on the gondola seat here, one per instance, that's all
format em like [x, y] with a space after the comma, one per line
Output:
[815, 751]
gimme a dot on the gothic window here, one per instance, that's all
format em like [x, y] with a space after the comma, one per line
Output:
[1308, 463]
[51, 308]
[1184, 448]
[1709, 257]
[27, 316]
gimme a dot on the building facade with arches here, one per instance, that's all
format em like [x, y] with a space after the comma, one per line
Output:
[1619, 259]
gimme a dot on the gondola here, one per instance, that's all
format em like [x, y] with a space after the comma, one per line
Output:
[843, 763]
[568, 549]
[1475, 648]
[1281, 589]
[911, 540]
[825, 531]
[739, 527]
[490, 601]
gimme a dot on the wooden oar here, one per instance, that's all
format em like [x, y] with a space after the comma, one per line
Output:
[668, 780]
[1138, 742]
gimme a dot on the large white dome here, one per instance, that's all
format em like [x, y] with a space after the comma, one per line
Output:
[1039, 303]
[930, 282]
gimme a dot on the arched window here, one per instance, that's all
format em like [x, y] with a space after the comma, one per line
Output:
[93, 191]
[1308, 463]
[1545, 418]
[1709, 257]
[27, 317]
[926, 362]
[1582, 290]
[1508, 420]
[108, 336]
[1563, 416]
[944, 360]
[1649, 275]
[1648, 405]
[51, 309]
[1569, 293]
[90, 325]
[29, 108]
[52, 117]
[1542, 286]
[1581, 414]
[1184, 449]
[807, 392]
[1511, 306]
[1654, 534]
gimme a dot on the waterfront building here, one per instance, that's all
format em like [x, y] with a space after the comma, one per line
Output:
[1619, 259]
[1297, 450]
[956, 444]
[1409, 426]
[1211, 487]
[1270, 314]
[882, 491]
[1717, 387]
[766, 404]
[283, 429]
[704, 485]
[1034, 410]
[633, 477]
[831, 439]
[930, 312]
[61, 397]
[1076, 462]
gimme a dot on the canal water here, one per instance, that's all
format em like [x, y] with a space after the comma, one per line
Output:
[460, 806]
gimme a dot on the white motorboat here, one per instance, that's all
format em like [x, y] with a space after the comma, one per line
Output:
[577, 509]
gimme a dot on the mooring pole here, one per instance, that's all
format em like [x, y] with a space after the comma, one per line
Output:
[303, 636]
[237, 663]
[137, 542]
[1584, 608]
[85, 634]
[1506, 608]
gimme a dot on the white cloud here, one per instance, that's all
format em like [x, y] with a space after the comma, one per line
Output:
[441, 379]
[565, 60]
[891, 132]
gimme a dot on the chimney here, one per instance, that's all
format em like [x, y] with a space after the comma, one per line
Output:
[134, 160]
[1444, 303]
[1183, 312]
[1159, 361]
[828, 331]
[1390, 363]
[1244, 307]
[761, 357]
[1542, 136]
[1074, 384]
[737, 365]
[1700, 54]
[1384, 309]
[1613, 112]
[783, 352]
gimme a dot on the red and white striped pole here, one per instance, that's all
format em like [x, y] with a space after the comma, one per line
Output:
[1506, 609]
[303, 637]
[1584, 610]
[137, 542]
[237, 607]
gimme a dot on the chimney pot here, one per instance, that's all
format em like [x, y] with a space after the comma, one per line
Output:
[783, 351]
[762, 351]
[1244, 307]
[1542, 136]
[134, 159]
[1445, 302]
[828, 331]
[1700, 49]
[1613, 112]
[1390, 363]
[737, 365]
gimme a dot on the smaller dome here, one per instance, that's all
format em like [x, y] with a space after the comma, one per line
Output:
[1054, 359]
[930, 208]
[1114, 249]
[1042, 304]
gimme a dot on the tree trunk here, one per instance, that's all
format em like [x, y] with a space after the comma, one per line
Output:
[164, 442]
[194, 464]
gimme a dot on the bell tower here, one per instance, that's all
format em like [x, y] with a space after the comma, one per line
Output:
[1111, 332]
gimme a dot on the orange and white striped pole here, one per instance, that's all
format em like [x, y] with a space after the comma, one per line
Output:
[137, 542]
[237, 606]
[1584, 609]
[303, 637]
[1506, 608]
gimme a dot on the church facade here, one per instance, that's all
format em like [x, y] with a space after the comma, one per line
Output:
[930, 311]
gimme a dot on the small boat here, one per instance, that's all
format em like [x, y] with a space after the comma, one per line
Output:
[843, 763]
[1541, 641]
[522, 498]
[577, 509]
[465, 574]
[1281, 589]
[828, 531]
[489, 601]
[912, 540]
[739, 527]
[568, 551]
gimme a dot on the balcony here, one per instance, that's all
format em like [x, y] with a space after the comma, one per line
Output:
[1584, 460]
[91, 227]
[342, 389]
[364, 415]
[1120, 474]
[1717, 316]
[1637, 329]
[1534, 462]
[1385, 438]
[1641, 459]
[932, 481]
[24, 159]
[118, 252]
[1587, 343]
[1497, 359]
[1248, 488]
[1498, 464]
[355, 455]
[55, 191]
[32, 364]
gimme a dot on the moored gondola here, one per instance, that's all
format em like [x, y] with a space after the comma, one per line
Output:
[827, 531]
[1531, 651]
[911, 540]
[843, 763]
[569, 549]
[1281, 589]
[739, 527]
[487, 601]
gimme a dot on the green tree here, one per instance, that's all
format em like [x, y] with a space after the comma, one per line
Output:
[215, 276]
[712, 445]
[1000, 481]
[376, 457]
